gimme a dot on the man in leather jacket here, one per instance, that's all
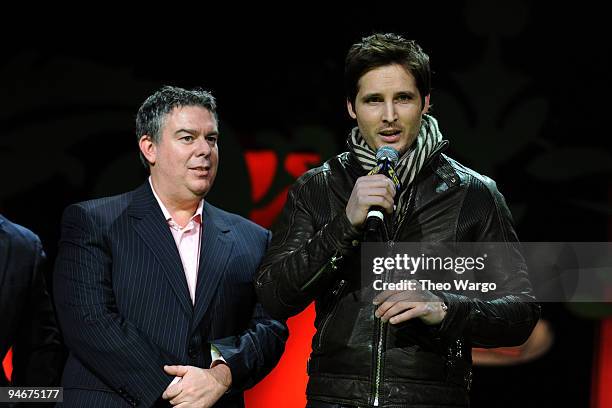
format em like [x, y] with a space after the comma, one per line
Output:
[403, 348]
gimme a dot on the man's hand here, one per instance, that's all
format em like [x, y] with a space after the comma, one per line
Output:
[199, 387]
[369, 191]
[398, 306]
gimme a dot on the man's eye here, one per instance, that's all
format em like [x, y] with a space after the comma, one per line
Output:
[212, 139]
[373, 99]
[187, 138]
[404, 98]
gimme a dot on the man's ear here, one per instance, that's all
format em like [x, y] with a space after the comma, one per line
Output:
[426, 105]
[349, 108]
[148, 148]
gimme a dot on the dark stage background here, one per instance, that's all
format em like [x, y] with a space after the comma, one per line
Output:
[520, 90]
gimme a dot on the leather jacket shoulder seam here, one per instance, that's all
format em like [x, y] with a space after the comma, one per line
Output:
[300, 185]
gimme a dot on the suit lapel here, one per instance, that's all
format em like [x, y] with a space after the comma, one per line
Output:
[153, 229]
[215, 251]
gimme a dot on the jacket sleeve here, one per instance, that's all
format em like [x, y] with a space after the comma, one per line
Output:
[255, 352]
[509, 318]
[302, 258]
[38, 357]
[94, 330]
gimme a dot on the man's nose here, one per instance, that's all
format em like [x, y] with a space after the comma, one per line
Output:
[389, 112]
[202, 147]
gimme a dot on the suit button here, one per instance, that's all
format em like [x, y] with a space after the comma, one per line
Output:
[192, 352]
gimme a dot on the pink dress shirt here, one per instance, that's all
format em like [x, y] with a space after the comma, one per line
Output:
[187, 240]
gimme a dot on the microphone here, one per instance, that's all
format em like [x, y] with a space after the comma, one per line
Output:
[386, 159]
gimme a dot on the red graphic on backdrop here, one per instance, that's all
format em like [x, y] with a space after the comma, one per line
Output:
[7, 364]
[262, 169]
[262, 166]
[285, 386]
[297, 164]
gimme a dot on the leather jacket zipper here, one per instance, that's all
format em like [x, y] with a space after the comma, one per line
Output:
[402, 217]
[381, 329]
[336, 293]
[330, 264]
[378, 366]
[380, 341]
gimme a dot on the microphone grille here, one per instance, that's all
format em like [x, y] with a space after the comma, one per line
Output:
[388, 153]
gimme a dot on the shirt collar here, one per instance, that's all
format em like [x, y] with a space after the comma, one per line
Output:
[167, 216]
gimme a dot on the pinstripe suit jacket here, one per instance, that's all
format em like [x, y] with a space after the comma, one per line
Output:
[124, 306]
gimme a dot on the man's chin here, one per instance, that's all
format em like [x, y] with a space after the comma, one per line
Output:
[201, 189]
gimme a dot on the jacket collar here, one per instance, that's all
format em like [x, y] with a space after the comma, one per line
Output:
[217, 245]
[150, 224]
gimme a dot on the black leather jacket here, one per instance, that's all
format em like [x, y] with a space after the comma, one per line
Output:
[355, 359]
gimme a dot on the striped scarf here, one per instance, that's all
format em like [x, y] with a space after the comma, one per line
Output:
[411, 162]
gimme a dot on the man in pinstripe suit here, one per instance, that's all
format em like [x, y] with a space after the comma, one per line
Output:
[153, 287]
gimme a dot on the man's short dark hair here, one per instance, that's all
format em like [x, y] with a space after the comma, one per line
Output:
[152, 113]
[378, 50]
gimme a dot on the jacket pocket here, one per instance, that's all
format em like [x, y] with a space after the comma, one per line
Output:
[336, 294]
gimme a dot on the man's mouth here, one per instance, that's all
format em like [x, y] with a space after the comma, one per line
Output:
[390, 135]
[203, 170]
